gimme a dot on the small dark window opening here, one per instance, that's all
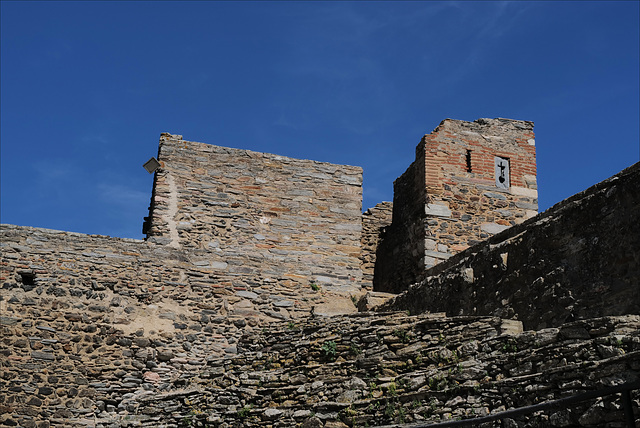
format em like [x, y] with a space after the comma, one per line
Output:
[468, 157]
[28, 278]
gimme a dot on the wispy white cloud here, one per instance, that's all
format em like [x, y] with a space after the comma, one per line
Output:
[122, 195]
[297, 124]
[51, 171]
[481, 29]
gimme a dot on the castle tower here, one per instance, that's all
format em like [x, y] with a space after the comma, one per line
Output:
[470, 180]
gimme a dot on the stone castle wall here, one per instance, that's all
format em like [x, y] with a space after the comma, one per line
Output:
[66, 367]
[258, 218]
[380, 369]
[451, 198]
[217, 319]
[374, 221]
[577, 260]
[89, 321]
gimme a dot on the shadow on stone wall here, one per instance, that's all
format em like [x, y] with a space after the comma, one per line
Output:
[579, 259]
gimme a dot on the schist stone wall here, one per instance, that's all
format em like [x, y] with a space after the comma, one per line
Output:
[374, 222]
[577, 260]
[258, 218]
[87, 321]
[469, 181]
[212, 321]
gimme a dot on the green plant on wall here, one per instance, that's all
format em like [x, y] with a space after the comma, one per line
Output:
[402, 335]
[348, 415]
[401, 414]
[372, 387]
[392, 389]
[510, 346]
[390, 410]
[244, 412]
[329, 350]
[354, 349]
[433, 405]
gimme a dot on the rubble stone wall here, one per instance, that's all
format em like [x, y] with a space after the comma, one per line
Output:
[379, 369]
[449, 199]
[65, 367]
[88, 321]
[259, 218]
[217, 318]
[374, 221]
[577, 260]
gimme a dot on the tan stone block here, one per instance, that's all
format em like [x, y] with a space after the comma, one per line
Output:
[335, 305]
[523, 191]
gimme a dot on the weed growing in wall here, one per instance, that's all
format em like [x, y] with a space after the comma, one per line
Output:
[244, 412]
[329, 350]
[402, 335]
[392, 389]
[354, 349]
[348, 416]
[401, 414]
[390, 410]
[510, 346]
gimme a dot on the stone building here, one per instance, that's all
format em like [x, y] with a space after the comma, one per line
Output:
[239, 308]
[255, 218]
[469, 181]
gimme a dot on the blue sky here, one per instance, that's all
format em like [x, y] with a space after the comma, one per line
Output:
[87, 88]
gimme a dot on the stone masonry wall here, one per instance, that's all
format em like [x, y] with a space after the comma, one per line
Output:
[88, 321]
[450, 197]
[359, 370]
[579, 259]
[107, 332]
[214, 320]
[258, 218]
[374, 221]
[377, 369]
[401, 247]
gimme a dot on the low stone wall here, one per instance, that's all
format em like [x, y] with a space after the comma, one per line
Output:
[580, 259]
[40, 265]
[365, 369]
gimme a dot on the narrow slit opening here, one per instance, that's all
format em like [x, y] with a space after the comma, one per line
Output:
[468, 158]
